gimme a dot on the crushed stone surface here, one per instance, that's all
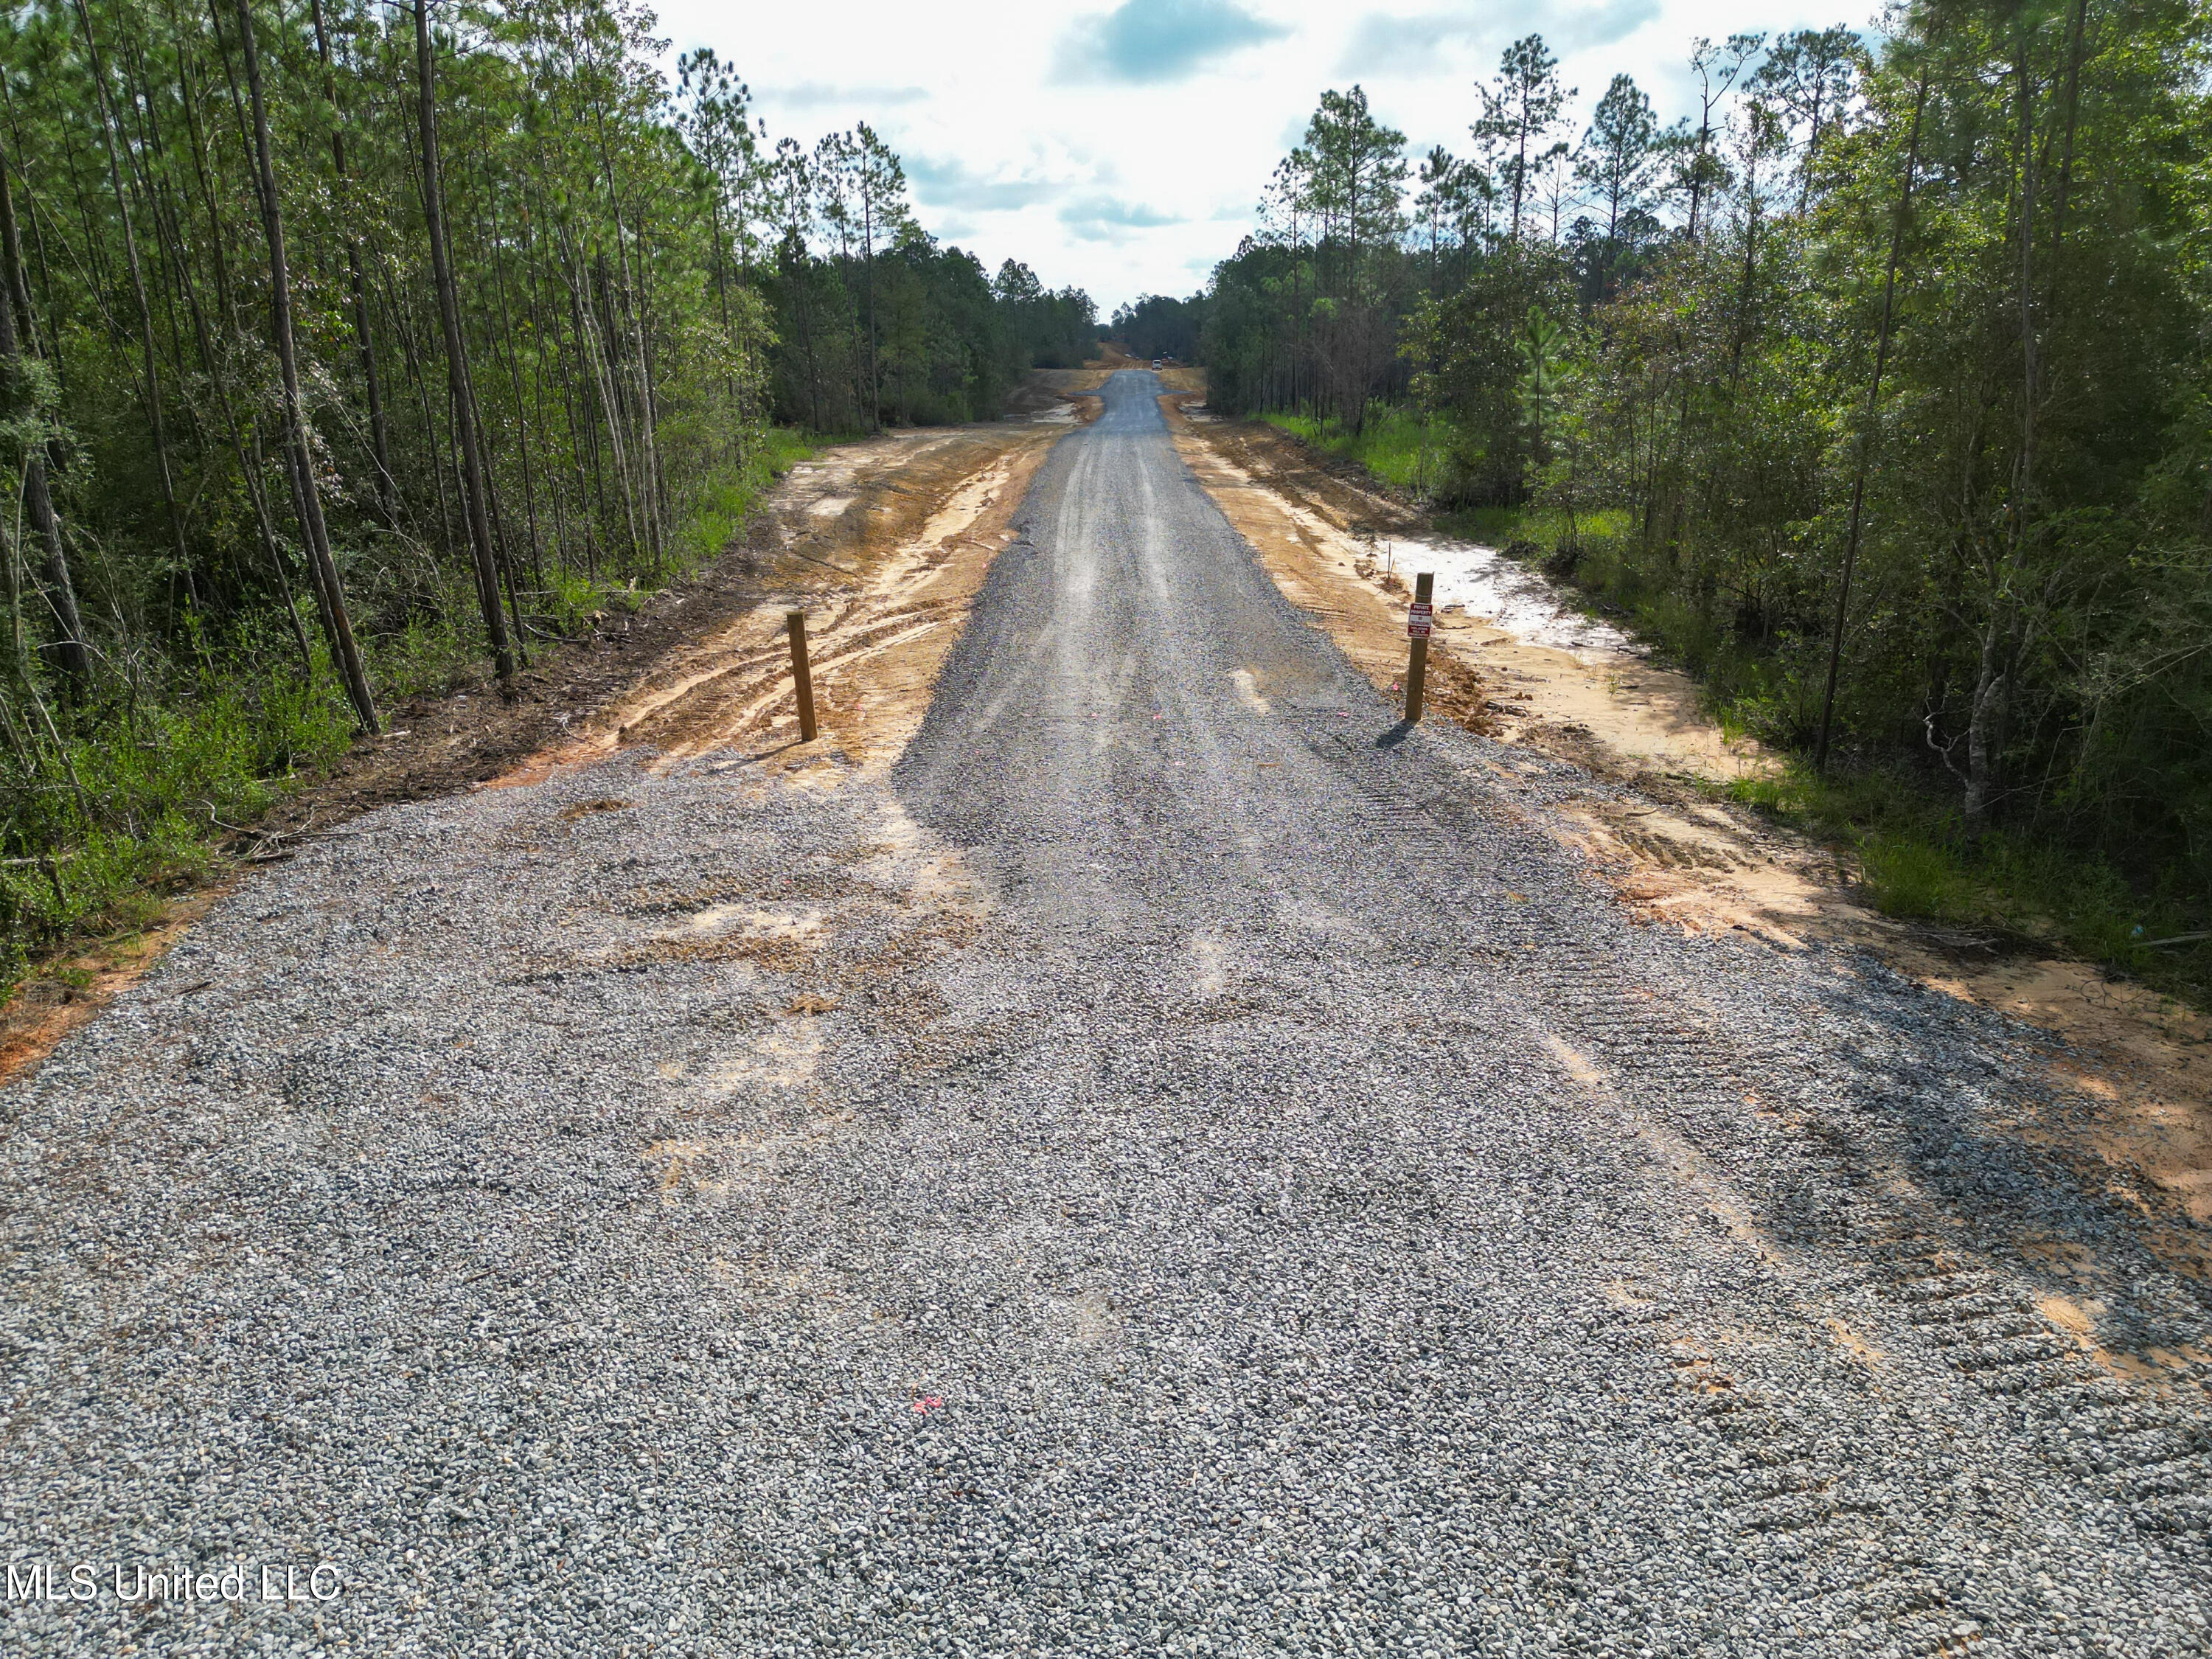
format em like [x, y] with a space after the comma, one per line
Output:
[1178, 1165]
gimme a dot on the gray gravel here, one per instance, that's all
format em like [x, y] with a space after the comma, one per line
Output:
[1260, 1196]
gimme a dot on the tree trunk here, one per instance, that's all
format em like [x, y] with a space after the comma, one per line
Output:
[153, 419]
[722, 305]
[653, 504]
[20, 285]
[330, 590]
[249, 470]
[411, 355]
[875, 369]
[545, 342]
[1988, 719]
[514, 384]
[2024, 469]
[387, 482]
[1866, 433]
[457, 363]
[648, 399]
[38, 503]
[2063, 190]
[254, 466]
[1986, 724]
[603, 377]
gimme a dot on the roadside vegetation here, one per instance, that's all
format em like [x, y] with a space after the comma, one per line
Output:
[351, 353]
[1395, 444]
[1876, 391]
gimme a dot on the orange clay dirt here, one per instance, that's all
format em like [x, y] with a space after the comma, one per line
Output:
[900, 541]
[1674, 855]
[72, 989]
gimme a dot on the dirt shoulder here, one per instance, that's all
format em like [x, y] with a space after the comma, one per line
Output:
[881, 542]
[1317, 536]
[900, 560]
[2131, 1071]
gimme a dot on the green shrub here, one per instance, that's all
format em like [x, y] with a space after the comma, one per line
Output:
[1915, 878]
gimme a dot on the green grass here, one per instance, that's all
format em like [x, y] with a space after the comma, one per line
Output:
[133, 804]
[720, 508]
[1546, 527]
[1396, 444]
[1916, 862]
[128, 811]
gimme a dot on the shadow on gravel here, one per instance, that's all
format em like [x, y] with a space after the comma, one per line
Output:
[1897, 1127]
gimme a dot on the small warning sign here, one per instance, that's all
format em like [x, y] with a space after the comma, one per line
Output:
[1420, 616]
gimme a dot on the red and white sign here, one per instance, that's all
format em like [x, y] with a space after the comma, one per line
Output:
[1420, 616]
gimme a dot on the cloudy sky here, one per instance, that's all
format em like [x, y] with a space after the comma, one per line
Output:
[1122, 147]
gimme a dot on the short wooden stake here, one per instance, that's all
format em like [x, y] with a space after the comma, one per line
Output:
[1416, 667]
[795, 622]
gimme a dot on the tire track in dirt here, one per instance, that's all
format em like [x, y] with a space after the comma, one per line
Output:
[1946, 1277]
[1806, 1159]
[1174, 1133]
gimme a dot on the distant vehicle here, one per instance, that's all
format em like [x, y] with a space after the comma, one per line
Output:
[1156, 363]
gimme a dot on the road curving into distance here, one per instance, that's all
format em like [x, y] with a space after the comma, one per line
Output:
[1178, 1164]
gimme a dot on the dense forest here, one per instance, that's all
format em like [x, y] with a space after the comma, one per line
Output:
[346, 345]
[1879, 386]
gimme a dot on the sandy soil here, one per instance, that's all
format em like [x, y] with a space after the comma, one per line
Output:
[883, 544]
[1596, 704]
[2138, 1065]
[1317, 549]
[912, 535]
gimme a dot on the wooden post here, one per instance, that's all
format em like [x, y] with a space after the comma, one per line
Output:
[1416, 667]
[795, 622]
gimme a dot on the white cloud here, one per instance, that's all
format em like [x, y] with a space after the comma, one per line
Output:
[949, 183]
[824, 94]
[1121, 145]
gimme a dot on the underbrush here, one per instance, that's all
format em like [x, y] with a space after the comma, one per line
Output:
[128, 810]
[2012, 889]
[438, 646]
[111, 808]
[1594, 537]
[1396, 444]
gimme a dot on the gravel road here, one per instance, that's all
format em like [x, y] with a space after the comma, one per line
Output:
[1179, 1165]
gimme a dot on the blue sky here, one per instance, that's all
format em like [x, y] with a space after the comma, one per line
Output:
[1123, 147]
